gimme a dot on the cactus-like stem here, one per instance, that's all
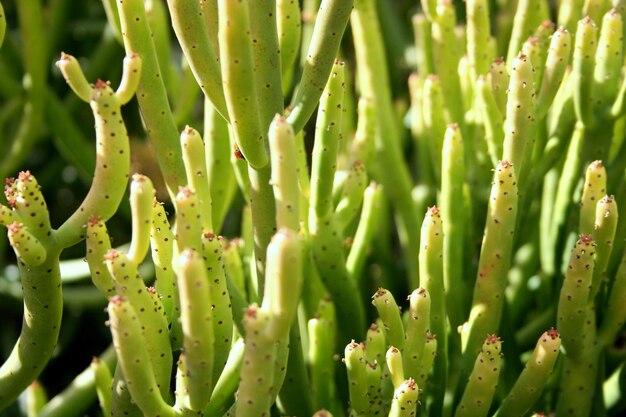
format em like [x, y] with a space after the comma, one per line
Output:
[112, 161]
[478, 36]
[104, 381]
[351, 195]
[434, 119]
[74, 76]
[582, 70]
[188, 223]
[220, 175]
[220, 299]
[284, 174]
[533, 378]
[223, 395]
[405, 400]
[134, 358]
[447, 59]
[368, 221]
[354, 358]
[483, 381]
[283, 282]
[195, 167]
[196, 319]
[188, 21]
[604, 236]
[519, 136]
[256, 385]
[38, 253]
[152, 321]
[594, 189]
[267, 60]
[422, 29]
[131, 75]
[453, 216]
[615, 313]
[416, 331]
[500, 83]
[609, 60]
[492, 119]
[36, 398]
[572, 311]
[495, 259]
[151, 94]
[396, 369]
[162, 244]
[427, 360]
[527, 17]
[98, 244]
[237, 65]
[141, 204]
[27, 247]
[332, 19]
[322, 334]
[288, 26]
[554, 70]
[389, 313]
[432, 278]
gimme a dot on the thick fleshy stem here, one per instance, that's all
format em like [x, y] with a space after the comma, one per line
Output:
[193, 35]
[389, 313]
[604, 235]
[237, 63]
[98, 244]
[330, 24]
[534, 377]
[615, 313]
[446, 61]
[483, 381]
[223, 395]
[393, 359]
[434, 120]
[519, 125]
[405, 399]
[554, 70]
[432, 278]
[221, 309]
[478, 36]
[134, 359]
[188, 224]
[141, 205]
[36, 398]
[103, 381]
[162, 245]
[351, 195]
[572, 311]
[594, 189]
[33, 241]
[529, 14]
[494, 263]
[322, 336]
[326, 241]
[453, 219]
[368, 221]
[609, 61]
[416, 331]
[354, 358]
[219, 172]
[112, 147]
[256, 384]
[154, 336]
[491, 117]
[583, 65]
[151, 94]
[288, 26]
[195, 168]
[500, 83]
[197, 322]
[284, 174]
[427, 360]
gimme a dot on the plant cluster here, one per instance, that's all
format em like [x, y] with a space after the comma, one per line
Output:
[309, 178]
